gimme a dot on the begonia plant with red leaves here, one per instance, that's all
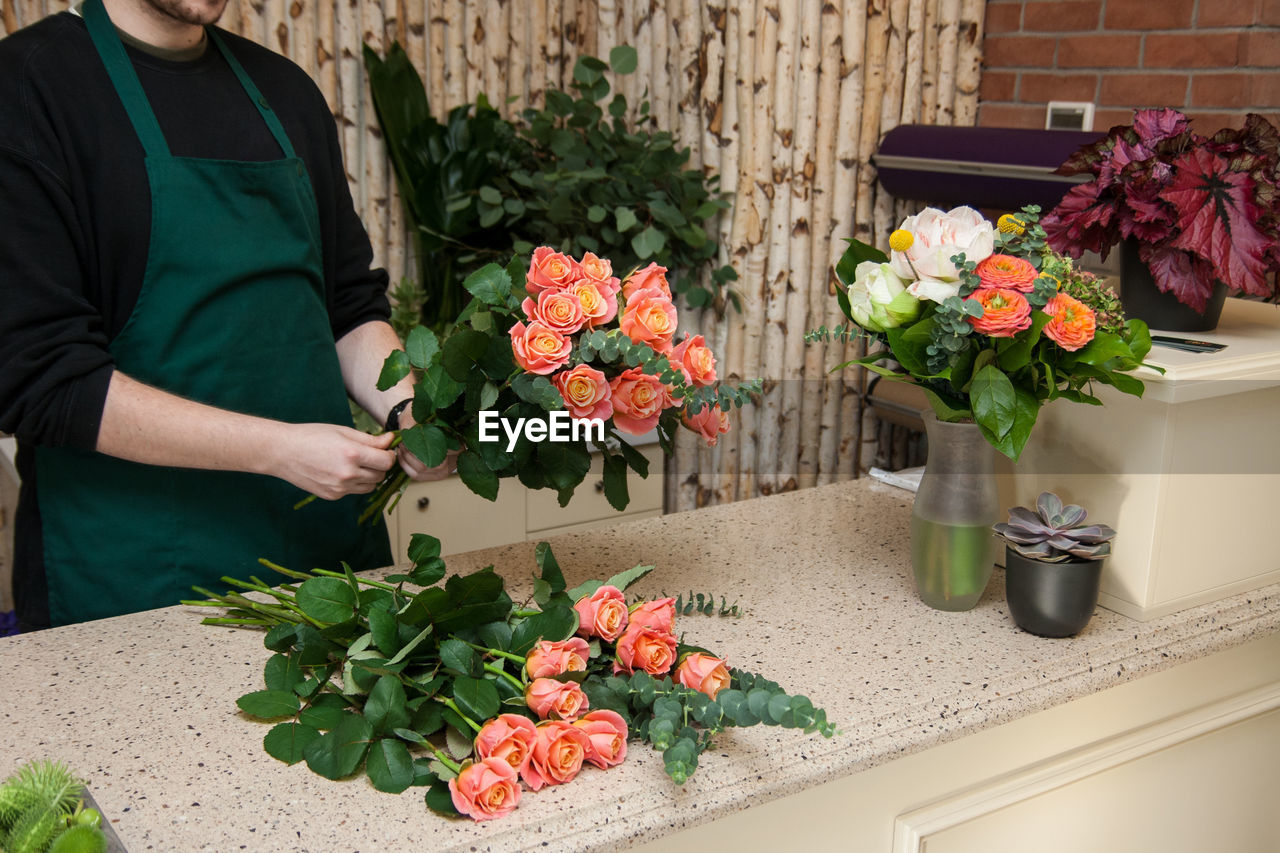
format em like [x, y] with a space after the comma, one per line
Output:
[1201, 209]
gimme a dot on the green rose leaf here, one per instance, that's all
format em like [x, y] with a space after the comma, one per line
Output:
[390, 766]
[338, 753]
[622, 580]
[269, 704]
[385, 708]
[548, 567]
[556, 622]
[287, 741]
[421, 346]
[477, 697]
[326, 599]
[476, 476]
[427, 442]
[394, 368]
[490, 284]
[459, 658]
[282, 673]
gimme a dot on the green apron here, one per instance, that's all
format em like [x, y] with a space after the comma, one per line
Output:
[231, 313]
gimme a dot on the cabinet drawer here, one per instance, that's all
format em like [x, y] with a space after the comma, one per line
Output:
[589, 503]
[458, 517]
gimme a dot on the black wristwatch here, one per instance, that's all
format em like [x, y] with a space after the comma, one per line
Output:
[393, 417]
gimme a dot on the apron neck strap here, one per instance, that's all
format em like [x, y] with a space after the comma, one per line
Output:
[125, 80]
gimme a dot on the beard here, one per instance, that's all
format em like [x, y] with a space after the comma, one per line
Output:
[195, 12]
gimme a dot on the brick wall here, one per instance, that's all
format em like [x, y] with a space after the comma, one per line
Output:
[1215, 60]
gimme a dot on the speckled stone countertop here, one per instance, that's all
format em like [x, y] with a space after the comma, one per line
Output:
[144, 705]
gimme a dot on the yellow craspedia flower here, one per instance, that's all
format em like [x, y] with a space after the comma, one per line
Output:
[901, 240]
[1010, 224]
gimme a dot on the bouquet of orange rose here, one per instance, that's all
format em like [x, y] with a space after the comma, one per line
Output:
[572, 338]
[458, 689]
[990, 322]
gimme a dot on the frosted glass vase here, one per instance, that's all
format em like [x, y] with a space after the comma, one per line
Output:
[953, 548]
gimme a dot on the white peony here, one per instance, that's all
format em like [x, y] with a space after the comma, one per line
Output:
[936, 238]
[878, 298]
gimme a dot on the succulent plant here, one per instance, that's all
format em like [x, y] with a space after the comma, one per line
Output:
[1054, 533]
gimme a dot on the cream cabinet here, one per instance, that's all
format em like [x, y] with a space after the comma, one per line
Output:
[464, 521]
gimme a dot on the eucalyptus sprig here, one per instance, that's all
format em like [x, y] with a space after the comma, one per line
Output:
[397, 677]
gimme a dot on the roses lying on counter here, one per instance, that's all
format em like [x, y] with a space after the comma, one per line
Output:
[458, 689]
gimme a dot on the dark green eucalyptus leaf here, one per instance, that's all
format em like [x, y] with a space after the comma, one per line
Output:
[287, 741]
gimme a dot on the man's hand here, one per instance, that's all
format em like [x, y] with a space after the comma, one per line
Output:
[413, 466]
[331, 461]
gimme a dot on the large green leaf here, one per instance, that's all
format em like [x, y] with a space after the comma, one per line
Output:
[390, 766]
[394, 368]
[269, 704]
[566, 463]
[549, 569]
[1104, 347]
[854, 255]
[421, 346]
[490, 284]
[1026, 410]
[338, 753]
[477, 697]
[326, 599]
[476, 476]
[385, 708]
[427, 442]
[994, 401]
[556, 622]
[463, 352]
[287, 741]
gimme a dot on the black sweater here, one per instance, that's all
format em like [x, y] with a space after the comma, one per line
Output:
[75, 214]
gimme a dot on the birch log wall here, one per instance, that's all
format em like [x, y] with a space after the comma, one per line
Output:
[787, 101]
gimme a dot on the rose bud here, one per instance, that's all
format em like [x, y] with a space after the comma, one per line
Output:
[485, 790]
[558, 754]
[608, 734]
[550, 699]
[549, 658]
[603, 614]
[509, 737]
[704, 673]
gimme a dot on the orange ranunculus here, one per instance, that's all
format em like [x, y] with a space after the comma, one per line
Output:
[651, 276]
[551, 658]
[509, 737]
[1007, 271]
[585, 391]
[649, 317]
[607, 732]
[558, 754]
[704, 673]
[644, 648]
[551, 699]
[710, 422]
[551, 270]
[485, 790]
[1004, 312]
[638, 401]
[539, 349]
[599, 299]
[1073, 324]
[697, 359]
[558, 310]
[603, 614]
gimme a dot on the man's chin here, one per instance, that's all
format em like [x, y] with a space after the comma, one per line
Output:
[196, 12]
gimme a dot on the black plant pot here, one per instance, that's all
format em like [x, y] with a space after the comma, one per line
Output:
[1051, 599]
[1141, 299]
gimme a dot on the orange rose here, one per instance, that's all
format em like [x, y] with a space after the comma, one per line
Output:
[649, 317]
[585, 391]
[599, 299]
[607, 732]
[485, 790]
[509, 737]
[638, 400]
[696, 358]
[548, 658]
[651, 276]
[1073, 324]
[704, 673]
[551, 699]
[539, 349]
[659, 614]
[601, 270]
[1004, 312]
[550, 270]
[1008, 272]
[558, 310]
[710, 422]
[603, 614]
[645, 648]
[558, 754]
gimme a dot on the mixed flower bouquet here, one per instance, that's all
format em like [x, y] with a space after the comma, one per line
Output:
[572, 337]
[1201, 210]
[990, 324]
[457, 688]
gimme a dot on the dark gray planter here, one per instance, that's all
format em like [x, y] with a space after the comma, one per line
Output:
[1142, 299]
[1051, 599]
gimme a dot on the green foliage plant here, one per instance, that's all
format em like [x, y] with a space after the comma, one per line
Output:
[578, 174]
[396, 677]
[42, 809]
